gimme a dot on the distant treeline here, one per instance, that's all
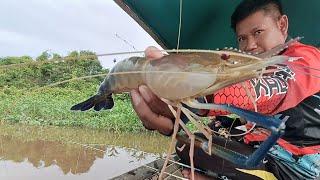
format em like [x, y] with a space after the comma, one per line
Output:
[25, 72]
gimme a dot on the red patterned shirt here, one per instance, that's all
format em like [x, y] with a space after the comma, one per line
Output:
[285, 88]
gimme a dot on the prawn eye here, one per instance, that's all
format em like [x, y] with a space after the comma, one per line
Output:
[225, 56]
[235, 62]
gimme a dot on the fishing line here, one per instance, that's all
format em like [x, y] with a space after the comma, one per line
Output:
[180, 23]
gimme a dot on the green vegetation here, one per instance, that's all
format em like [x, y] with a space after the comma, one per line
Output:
[27, 97]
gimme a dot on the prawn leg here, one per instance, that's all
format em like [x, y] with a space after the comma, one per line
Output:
[195, 120]
[275, 125]
[173, 138]
[191, 149]
[204, 129]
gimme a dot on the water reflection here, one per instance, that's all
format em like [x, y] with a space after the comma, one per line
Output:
[35, 153]
[70, 158]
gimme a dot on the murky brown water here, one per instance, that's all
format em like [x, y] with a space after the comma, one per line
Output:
[32, 152]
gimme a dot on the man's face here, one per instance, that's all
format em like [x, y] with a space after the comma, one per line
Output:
[260, 32]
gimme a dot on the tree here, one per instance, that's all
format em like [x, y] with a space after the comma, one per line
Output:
[44, 56]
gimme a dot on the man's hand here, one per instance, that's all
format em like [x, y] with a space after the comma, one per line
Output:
[154, 113]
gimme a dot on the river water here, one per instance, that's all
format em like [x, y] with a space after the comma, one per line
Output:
[50, 153]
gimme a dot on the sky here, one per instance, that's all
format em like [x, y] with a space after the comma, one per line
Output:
[61, 26]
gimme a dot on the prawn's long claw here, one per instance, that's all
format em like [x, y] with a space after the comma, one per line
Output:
[269, 122]
[275, 125]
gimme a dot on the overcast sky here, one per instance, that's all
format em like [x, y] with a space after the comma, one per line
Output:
[60, 26]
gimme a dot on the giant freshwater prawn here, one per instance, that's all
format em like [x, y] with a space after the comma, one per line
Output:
[198, 74]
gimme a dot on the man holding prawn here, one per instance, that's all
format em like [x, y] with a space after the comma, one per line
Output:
[260, 25]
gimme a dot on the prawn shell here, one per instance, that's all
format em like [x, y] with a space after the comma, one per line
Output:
[180, 76]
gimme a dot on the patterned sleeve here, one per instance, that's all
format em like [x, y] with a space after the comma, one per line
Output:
[266, 92]
[276, 92]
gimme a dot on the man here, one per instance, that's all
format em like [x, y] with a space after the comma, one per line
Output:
[293, 91]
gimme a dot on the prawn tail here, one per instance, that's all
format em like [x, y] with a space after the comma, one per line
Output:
[97, 102]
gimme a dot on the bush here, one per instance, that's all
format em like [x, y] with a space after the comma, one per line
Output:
[15, 60]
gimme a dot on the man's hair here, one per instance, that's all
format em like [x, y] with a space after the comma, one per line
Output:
[248, 7]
